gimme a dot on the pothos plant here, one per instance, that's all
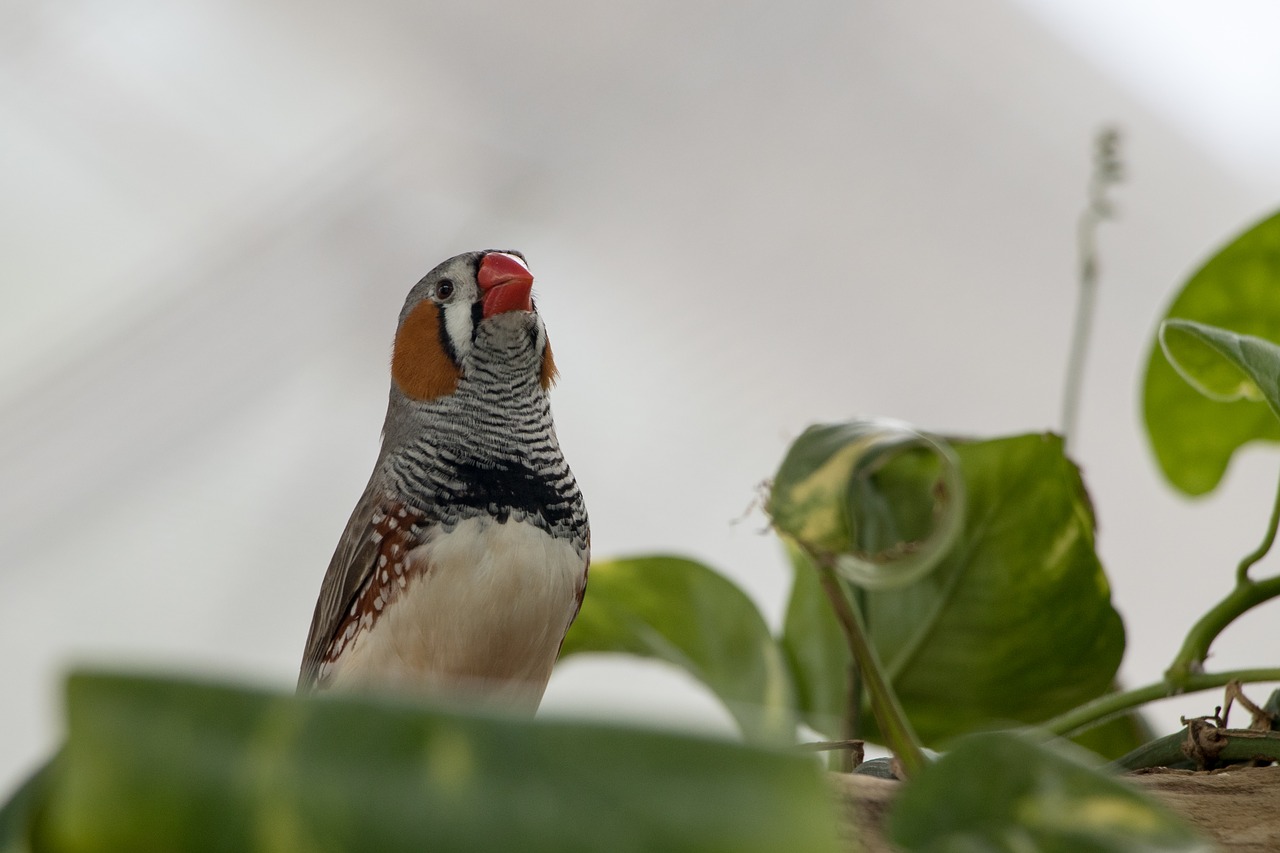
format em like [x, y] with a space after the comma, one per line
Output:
[947, 586]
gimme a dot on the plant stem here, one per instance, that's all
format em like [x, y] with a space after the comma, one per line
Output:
[1184, 674]
[858, 599]
[1240, 745]
[1195, 648]
[1105, 707]
[1106, 171]
[1242, 571]
[1247, 594]
[850, 725]
[891, 719]
[1085, 298]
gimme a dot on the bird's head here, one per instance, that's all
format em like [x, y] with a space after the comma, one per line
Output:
[473, 307]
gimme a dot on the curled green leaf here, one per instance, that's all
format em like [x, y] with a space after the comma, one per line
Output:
[826, 497]
[1221, 364]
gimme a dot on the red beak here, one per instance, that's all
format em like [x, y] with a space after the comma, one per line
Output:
[506, 283]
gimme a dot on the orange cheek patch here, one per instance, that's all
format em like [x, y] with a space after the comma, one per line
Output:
[547, 377]
[419, 364]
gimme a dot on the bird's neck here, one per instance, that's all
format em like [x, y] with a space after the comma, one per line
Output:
[488, 449]
[488, 418]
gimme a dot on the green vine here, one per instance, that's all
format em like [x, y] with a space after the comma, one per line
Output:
[1103, 708]
[898, 733]
[1246, 595]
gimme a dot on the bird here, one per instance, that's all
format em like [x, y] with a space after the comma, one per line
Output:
[465, 560]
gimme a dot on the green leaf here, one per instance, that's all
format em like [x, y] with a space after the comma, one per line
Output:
[684, 613]
[19, 816]
[1194, 436]
[1015, 624]
[154, 765]
[1004, 791]
[1223, 365]
[824, 496]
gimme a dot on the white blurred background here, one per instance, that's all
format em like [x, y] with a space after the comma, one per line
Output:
[743, 216]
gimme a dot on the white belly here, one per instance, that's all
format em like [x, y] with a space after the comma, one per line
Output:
[481, 617]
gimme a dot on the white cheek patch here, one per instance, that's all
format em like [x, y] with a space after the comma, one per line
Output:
[457, 324]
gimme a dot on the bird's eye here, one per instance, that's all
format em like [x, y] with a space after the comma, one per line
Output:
[444, 289]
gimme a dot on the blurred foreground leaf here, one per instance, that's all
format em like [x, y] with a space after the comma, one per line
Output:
[684, 613]
[1192, 435]
[157, 765]
[18, 816]
[1016, 622]
[1004, 791]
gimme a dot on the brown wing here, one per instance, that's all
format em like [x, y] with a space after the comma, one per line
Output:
[349, 571]
[367, 569]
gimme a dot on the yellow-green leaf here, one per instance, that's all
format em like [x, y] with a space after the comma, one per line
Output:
[1016, 623]
[163, 765]
[685, 613]
[1003, 791]
[1193, 435]
[1223, 365]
